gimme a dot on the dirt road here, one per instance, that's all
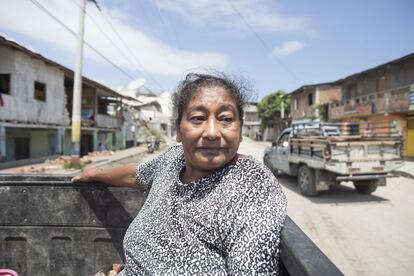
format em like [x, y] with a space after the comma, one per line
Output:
[361, 234]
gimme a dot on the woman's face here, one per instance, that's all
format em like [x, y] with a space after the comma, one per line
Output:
[210, 129]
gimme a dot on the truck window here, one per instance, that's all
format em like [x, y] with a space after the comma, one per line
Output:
[283, 140]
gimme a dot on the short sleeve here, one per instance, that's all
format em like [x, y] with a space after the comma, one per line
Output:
[146, 171]
[255, 220]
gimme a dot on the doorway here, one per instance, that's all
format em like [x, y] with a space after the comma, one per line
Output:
[86, 144]
[21, 148]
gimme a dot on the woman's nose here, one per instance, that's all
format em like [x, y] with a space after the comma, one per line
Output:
[212, 130]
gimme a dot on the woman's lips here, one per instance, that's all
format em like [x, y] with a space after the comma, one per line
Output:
[210, 150]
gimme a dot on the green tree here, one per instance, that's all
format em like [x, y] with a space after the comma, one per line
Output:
[270, 107]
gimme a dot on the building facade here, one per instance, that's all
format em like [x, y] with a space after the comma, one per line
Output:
[382, 93]
[36, 107]
[310, 101]
[252, 122]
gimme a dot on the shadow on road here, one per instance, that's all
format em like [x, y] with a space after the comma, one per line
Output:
[336, 195]
[402, 174]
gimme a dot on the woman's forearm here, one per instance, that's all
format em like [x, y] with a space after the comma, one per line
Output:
[120, 176]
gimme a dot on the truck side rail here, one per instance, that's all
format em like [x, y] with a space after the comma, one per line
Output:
[50, 226]
[355, 129]
[300, 256]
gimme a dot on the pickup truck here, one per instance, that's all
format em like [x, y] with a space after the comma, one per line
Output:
[50, 226]
[325, 154]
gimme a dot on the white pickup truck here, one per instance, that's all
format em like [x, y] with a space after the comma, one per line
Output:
[322, 154]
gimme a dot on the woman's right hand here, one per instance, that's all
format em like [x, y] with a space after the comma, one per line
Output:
[122, 176]
[88, 175]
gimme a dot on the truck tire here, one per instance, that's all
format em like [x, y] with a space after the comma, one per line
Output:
[366, 187]
[306, 181]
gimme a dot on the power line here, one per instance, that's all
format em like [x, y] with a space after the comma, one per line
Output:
[41, 7]
[142, 70]
[153, 28]
[263, 43]
[164, 25]
[129, 49]
[100, 29]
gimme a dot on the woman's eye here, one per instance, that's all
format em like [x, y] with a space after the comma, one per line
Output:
[197, 119]
[227, 119]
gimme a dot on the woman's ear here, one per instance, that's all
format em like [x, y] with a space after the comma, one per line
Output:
[178, 137]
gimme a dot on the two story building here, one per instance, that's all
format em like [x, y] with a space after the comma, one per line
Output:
[152, 113]
[252, 122]
[383, 93]
[310, 101]
[36, 108]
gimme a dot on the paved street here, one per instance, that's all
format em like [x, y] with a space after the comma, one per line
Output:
[361, 234]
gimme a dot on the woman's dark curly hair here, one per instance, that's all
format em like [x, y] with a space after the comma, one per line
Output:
[238, 88]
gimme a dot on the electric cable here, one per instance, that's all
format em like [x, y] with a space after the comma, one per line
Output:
[128, 48]
[263, 43]
[41, 7]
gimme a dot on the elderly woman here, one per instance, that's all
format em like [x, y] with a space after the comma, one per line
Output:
[210, 210]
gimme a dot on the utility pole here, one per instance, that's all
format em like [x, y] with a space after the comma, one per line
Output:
[77, 87]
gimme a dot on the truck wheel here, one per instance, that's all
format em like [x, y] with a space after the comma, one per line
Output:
[366, 187]
[306, 181]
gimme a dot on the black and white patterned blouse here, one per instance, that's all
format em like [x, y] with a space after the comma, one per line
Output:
[225, 223]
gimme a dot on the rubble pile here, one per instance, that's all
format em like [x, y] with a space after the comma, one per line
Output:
[101, 153]
[61, 163]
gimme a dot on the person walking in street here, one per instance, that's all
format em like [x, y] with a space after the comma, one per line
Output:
[209, 210]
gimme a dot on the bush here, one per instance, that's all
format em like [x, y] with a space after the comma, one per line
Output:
[73, 164]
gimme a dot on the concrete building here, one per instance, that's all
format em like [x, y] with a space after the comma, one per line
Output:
[36, 106]
[152, 113]
[252, 122]
[310, 101]
[382, 93]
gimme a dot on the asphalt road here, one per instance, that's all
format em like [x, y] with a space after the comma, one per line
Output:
[362, 234]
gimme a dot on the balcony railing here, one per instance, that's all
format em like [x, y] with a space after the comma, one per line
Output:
[378, 102]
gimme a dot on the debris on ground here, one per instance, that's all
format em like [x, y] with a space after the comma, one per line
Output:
[101, 153]
[63, 162]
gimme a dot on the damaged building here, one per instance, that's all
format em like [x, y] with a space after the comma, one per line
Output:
[36, 108]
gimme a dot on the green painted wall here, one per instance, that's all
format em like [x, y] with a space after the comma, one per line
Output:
[102, 136]
[119, 139]
[42, 143]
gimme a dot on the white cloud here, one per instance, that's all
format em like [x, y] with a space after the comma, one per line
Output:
[288, 48]
[157, 57]
[260, 14]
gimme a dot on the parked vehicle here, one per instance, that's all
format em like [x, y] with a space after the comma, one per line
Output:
[322, 154]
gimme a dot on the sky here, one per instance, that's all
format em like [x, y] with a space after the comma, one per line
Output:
[276, 45]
